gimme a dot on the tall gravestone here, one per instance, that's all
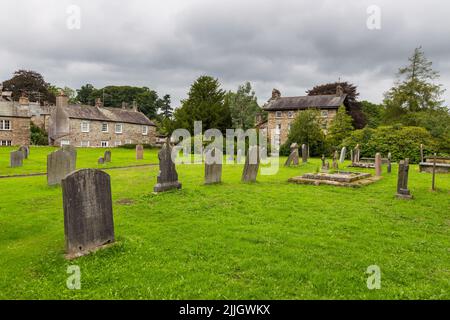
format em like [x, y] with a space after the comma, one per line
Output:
[343, 153]
[389, 164]
[357, 154]
[25, 150]
[88, 213]
[323, 161]
[213, 166]
[107, 156]
[352, 158]
[378, 161]
[293, 156]
[335, 160]
[168, 176]
[59, 165]
[304, 153]
[251, 165]
[16, 159]
[72, 151]
[402, 182]
[139, 152]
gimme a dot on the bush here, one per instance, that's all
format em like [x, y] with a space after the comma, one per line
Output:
[401, 142]
[38, 135]
[133, 146]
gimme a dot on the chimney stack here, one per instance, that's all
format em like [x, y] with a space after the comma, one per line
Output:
[135, 107]
[62, 100]
[23, 100]
[124, 105]
[275, 94]
[98, 103]
[339, 91]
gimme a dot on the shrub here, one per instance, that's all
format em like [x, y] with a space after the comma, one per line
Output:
[133, 146]
[38, 135]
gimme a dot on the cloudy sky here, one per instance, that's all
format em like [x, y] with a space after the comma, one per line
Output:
[166, 45]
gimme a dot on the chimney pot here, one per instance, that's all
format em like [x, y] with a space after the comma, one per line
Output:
[276, 94]
[339, 90]
[62, 100]
[98, 103]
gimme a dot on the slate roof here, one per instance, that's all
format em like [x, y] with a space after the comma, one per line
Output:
[304, 102]
[86, 112]
[10, 109]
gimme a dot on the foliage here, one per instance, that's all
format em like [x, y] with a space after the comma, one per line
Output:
[402, 142]
[38, 135]
[340, 128]
[354, 108]
[415, 89]
[306, 128]
[373, 112]
[243, 106]
[206, 103]
[30, 83]
[133, 146]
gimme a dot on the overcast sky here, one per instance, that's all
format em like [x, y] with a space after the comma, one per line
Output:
[166, 45]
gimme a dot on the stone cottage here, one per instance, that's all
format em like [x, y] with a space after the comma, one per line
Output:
[98, 126]
[283, 110]
[14, 123]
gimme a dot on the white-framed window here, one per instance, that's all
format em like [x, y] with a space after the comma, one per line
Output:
[324, 113]
[84, 144]
[128, 142]
[5, 125]
[278, 114]
[290, 114]
[105, 127]
[5, 142]
[84, 126]
[144, 130]
[65, 143]
[118, 128]
[105, 144]
[118, 143]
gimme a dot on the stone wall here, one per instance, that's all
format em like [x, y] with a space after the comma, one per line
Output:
[131, 133]
[286, 119]
[19, 133]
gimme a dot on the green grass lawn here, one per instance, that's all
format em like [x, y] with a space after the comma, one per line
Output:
[267, 240]
[86, 158]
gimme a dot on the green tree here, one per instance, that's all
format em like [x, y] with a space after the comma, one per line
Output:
[206, 103]
[373, 112]
[415, 89]
[306, 128]
[340, 128]
[86, 94]
[30, 83]
[165, 107]
[243, 106]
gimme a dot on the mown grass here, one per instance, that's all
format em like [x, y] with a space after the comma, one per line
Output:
[86, 158]
[267, 240]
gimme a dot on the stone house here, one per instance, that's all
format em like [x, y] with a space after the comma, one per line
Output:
[98, 126]
[14, 123]
[283, 110]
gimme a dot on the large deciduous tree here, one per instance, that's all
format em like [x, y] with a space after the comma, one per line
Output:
[340, 128]
[31, 84]
[353, 106]
[243, 106]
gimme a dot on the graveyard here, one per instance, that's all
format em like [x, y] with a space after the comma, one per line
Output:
[269, 239]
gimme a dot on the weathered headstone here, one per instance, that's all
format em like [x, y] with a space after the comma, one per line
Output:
[73, 155]
[389, 165]
[107, 156]
[293, 156]
[16, 159]
[168, 176]
[139, 152]
[378, 164]
[25, 150]
[59, 165]
[323, 161]
[433, 179]
[402, 182]
[352, 158]
[251, 165]
[343, 153]
[304, 153]
[357, 154]
[335, 160]
[213, 166]
[101, 160]
[88, 214]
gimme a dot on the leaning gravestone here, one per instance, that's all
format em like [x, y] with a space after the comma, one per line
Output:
[343, 153]
[304, 153]
[16, 159]
[25, 150]
[139, 152]
[72, 151]
[293, 156]
[378, 161]
[59, 165]
[101, 160]
[88, 214]
[168, 176]
[107, 156]
[402, 182]
[213, 166]
[251, 165]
